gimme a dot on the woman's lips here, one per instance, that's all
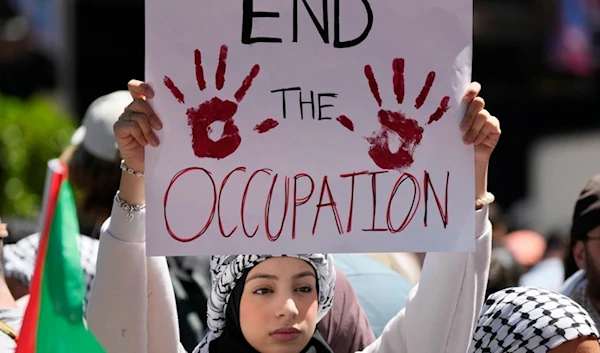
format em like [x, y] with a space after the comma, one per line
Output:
[285, 334]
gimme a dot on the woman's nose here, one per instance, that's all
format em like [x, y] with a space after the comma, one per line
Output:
[288, 308]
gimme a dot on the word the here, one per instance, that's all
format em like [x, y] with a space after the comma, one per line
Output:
[249, 15]
[315, 113]
[298, 194]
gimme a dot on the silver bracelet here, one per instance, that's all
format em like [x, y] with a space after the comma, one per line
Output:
[128, 208]
[130, 171]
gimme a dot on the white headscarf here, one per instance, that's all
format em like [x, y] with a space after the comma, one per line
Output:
[527, 319]
[227, 269]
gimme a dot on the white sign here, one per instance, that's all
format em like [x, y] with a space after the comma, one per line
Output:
[300, 126]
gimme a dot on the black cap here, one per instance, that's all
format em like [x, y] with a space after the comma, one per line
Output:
[587, 210]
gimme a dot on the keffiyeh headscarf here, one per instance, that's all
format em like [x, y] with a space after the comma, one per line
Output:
[529, 320]
[226, 272]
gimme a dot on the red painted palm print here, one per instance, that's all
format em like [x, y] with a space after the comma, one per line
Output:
[215, 109]
[395, 124]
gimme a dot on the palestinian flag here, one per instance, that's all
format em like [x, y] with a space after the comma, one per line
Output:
[54, 316]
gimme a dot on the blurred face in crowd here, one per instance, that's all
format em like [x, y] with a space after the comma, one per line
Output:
[278, 308]
[587, 255]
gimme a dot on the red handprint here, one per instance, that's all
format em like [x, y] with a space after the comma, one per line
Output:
[406, 129]
[215, 109]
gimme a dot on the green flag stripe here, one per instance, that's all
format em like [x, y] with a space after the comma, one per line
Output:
[61, 327]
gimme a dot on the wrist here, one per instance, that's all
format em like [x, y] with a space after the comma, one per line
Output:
[481, 174]
[131, 189]
[481, 165]
[136, 166]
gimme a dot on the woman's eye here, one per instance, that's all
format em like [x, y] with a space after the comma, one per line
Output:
[262, 291]
[305, 289]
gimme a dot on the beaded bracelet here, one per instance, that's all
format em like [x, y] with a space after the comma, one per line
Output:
[128, 208]
[484, 201]
[130, 170]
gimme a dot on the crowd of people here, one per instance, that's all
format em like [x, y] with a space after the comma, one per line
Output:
[518, 292]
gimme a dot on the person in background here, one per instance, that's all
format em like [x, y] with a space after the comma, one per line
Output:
[346, 328]
[17, 275]
[381, 291]
[406, 264]
[505, 271]
[499, 226]
[550, 272]
[19, 228]
[527, 246]
[11, 316]
[533, 320]
[19, 263]
[191, 283]
[583, 264]
[93, 160]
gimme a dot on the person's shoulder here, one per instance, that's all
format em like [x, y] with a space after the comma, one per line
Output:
[27, 246]
[19, 258]
[572, 283]
[30, 241]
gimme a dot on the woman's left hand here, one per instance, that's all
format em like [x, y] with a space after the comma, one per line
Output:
[480, 128]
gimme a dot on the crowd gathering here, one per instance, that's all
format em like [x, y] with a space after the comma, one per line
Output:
[518, 292]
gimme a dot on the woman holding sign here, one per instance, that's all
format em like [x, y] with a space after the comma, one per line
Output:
[272, 303]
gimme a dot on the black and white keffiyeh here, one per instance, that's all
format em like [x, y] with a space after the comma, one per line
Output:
[227, 269]
[20, 257]
[529, 320]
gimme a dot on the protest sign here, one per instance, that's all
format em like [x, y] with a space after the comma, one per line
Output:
[298, 126]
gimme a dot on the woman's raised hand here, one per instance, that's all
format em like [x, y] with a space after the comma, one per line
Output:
[135, 128]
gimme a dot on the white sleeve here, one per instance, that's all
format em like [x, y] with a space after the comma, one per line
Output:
[132, 304]
[443, 308]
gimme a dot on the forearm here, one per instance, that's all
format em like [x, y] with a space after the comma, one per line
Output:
[446, 302]
[450, 297]
[123, 240]
[163, 325]
[118, 307]
[117, 310]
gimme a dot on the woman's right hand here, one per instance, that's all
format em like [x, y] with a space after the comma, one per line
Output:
[135, 128]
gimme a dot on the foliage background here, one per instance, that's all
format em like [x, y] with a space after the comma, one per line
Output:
[31, 133]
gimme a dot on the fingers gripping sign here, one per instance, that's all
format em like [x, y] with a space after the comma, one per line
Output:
[139, 89]
[480, 128]
[136, 127]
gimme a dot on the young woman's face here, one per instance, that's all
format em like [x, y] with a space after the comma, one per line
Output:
[278, 309]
